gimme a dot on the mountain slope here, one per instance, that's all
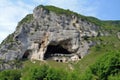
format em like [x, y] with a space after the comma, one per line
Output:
[66, 32]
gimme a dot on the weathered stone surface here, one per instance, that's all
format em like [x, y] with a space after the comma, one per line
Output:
[10, 65]
[118, 35]
[48, 28]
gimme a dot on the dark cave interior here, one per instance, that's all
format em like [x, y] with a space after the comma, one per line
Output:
[26, 54]
[55, 50]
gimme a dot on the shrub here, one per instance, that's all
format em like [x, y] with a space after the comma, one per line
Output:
[10, 75]
[107, 65]
[35, 73]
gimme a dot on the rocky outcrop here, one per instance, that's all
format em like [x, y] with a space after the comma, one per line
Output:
[67, 35]
[118, 35]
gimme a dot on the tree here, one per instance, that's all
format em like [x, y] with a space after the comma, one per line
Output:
[107, 65]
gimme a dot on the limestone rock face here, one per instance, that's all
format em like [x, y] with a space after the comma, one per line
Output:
[118, 35]
[49, 35]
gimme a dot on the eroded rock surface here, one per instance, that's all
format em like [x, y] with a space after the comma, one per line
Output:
[67, 35]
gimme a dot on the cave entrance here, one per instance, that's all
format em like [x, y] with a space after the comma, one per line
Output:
[26, 55]
[56, 51]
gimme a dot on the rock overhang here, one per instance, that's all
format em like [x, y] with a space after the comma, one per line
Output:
[50, 28]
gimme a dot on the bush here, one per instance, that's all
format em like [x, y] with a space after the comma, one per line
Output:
[107, 65]
[114, 77]
[45, 72]
[10, 75]
[35, 73]
[55, 74]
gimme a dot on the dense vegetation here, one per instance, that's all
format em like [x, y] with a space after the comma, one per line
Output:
[107, 67]
[10, 75]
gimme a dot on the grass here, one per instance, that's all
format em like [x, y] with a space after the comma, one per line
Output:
[28, 18]
[57, 64]
[107, 43]
[88, 60]
[50, 63]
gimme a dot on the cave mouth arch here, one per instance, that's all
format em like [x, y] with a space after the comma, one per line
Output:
[26, 55]
[56, 51]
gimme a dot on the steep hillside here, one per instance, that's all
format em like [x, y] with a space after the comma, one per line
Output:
[53, 40]
[51, 32]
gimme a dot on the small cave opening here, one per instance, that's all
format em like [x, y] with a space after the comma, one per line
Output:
[56, 51]
[57, 60]
[61, 60]
[26, 55]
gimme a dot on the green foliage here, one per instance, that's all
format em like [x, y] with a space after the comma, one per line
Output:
[9, 38]
[113, 23]
[27, 19]
[49, 72]
[105, 66]
[35, 73]
[55, 74]
[57, 10]
[10, 75]
[45, 72]
[114, 77]
[95, 21]
[74, 75]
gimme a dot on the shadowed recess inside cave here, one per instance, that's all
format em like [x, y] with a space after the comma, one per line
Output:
[26, 54]
[56, 51]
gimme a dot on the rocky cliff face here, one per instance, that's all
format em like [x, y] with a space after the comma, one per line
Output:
[48, 35]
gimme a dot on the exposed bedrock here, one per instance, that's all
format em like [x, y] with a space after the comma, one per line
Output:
[49, 35]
